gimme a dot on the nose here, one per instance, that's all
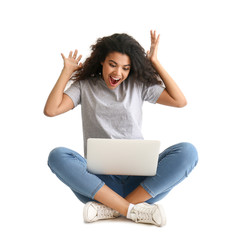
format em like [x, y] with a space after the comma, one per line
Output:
[118, 72]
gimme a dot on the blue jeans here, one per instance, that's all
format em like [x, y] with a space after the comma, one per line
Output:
[174, 164]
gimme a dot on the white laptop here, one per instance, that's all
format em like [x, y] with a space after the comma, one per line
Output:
[122, 156]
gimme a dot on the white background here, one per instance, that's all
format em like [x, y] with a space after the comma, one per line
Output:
[198, 49]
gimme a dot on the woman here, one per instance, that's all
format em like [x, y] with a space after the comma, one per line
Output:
[111, 86]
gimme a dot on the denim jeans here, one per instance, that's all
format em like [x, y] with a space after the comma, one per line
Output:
[174, 164]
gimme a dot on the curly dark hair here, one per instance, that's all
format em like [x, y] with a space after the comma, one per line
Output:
[141, 67]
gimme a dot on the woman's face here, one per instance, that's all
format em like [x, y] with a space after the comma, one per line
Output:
[115, 69]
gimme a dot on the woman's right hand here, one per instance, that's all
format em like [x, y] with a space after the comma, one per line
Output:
[72, 62]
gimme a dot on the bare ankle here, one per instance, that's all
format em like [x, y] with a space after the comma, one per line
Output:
[139, 195]
[111, 199]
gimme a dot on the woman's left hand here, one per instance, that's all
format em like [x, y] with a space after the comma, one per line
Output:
[152, 53]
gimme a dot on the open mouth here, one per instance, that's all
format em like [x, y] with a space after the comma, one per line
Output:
[114, 81]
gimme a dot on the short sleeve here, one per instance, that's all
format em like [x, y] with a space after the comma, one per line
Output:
[151, 92]
[74, 92]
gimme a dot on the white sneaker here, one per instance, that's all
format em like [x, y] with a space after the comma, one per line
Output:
[146, 213]
[94, 211]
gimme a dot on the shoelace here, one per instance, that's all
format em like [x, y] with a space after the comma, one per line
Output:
[105, 212]
[145, 214]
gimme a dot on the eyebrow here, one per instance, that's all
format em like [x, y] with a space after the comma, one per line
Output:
[117, 63]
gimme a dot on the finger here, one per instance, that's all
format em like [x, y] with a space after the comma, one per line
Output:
[153, 36]
[79, 58]
[75, 54]
[147, 54]
[158, 38]
[62, 56]
[70, 54]
[80, 65]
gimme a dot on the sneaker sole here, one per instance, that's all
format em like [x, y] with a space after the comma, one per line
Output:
[162, 215]
[85, 212]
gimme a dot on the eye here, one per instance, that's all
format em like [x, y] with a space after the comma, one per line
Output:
[126, 69]
[112, 65]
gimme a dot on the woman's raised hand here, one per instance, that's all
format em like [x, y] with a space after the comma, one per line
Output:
[72, 62]
[152, 53]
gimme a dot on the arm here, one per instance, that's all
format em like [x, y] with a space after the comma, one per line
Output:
[58, 102]
[172, 95]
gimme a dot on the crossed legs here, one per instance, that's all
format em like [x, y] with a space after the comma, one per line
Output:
[113, 200]
[175, 163]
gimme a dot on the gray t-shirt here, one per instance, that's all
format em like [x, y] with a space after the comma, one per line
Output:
[112, 113]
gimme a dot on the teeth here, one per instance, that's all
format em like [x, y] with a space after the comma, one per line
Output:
[116, 79]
